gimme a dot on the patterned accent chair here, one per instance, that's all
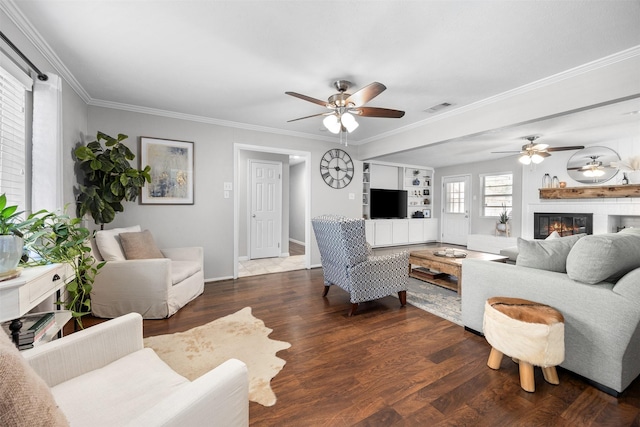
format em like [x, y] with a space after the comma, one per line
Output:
[347, 262]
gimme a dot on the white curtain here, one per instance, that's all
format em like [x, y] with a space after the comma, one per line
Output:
[46, 156]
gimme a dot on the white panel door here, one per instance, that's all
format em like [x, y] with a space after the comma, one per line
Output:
[456, 191]
[266, 209]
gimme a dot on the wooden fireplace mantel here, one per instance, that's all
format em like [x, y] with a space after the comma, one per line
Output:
[600, 191]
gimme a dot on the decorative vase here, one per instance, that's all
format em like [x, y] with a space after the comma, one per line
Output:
[502, 226]
[546, 181]
[634, 177]
[10, 252]
[416, 181]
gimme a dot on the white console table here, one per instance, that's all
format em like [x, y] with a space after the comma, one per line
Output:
[20, 295]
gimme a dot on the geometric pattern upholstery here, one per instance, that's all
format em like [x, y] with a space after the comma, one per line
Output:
[347, 261]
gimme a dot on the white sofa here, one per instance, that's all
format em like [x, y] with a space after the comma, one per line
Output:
[156, 287]
[103, 376]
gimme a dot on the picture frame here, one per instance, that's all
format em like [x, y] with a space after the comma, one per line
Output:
[172, 177]
[426, 213]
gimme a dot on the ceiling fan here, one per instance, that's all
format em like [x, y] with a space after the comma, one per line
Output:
[593, 168]
[343, 106]
[536, 153]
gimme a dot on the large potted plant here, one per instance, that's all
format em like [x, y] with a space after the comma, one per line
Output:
[58, 238]
[109, 177]
[11, 238]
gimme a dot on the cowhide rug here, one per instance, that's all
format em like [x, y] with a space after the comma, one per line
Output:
[240, 336]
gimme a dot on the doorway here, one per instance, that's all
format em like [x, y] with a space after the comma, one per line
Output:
[456, 192]
[242, 205]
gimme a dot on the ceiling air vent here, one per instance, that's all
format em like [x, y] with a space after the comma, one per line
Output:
[438, 107]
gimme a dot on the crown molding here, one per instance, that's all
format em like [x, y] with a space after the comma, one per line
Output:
[547, 81]
[203, 119]
[17, 17]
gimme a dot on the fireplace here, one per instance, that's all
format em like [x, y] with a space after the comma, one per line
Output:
[565, 224]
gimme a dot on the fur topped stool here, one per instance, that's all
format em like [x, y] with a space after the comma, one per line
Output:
[529, 332]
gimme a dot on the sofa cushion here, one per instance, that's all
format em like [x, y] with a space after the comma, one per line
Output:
[546, 254]
[108, 242]
[133, 384]
[181, 270]
[630, 230]
[139, 245]
[603, 257]
[25, 399]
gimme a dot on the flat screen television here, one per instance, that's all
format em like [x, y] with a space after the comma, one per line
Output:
[387, 203]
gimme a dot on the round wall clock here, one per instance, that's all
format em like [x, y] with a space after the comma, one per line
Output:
[336, 168]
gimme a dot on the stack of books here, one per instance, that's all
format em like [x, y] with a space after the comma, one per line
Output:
[34, 327]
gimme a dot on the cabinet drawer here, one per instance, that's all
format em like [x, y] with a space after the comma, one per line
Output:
[47, 283]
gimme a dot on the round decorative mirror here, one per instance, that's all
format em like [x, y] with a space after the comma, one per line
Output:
[592, 165]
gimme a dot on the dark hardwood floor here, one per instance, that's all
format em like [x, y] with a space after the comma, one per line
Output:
[296, 249]
[388, 366]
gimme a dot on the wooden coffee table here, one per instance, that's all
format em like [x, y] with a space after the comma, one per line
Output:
[427, 262]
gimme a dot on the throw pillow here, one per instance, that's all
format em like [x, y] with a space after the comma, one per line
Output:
[546, 254]
[25, 399]
[552, 236]
[108, 242]
[603, 257]
[630, 230]
[139, 245]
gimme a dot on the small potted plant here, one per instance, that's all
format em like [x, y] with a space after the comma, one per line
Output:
[503, 219]
[11, 238]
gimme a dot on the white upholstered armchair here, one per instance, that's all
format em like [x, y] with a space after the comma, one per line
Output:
[155, 283]
[347, 262]
[103, 376]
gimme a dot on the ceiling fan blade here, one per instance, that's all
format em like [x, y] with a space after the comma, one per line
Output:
[308, 117]
[570, 147]
[310, 99]
[365, 94]
[378, 112]
[540, 147]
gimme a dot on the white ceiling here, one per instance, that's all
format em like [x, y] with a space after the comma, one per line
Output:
[230, 62]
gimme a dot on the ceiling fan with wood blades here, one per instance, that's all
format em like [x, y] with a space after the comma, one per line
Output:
[344, 106]
[536, 153]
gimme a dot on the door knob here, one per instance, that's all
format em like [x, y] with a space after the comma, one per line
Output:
[253, 216]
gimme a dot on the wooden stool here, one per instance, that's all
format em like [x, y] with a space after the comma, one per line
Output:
[529, 332]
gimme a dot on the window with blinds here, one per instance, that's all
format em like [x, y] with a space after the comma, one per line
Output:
[12, 139]
[497, 193]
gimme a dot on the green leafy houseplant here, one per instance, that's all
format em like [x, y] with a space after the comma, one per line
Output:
[109, 178]
[58, 238]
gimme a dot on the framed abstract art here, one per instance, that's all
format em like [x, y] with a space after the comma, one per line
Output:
[171, 171]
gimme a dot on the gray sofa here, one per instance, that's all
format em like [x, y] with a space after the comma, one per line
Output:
[593, 280]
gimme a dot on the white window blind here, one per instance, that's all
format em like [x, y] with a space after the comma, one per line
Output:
[12, 139]
[497, 193]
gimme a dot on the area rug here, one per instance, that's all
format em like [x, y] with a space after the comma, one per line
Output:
[240, 335]
[435, 299]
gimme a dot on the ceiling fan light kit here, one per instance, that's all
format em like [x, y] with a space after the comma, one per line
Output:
[345, 106]
[536, 153]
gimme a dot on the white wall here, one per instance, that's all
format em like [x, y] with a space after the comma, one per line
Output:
[210, 222]
[297, 199]
[478, 223]
[385, 177]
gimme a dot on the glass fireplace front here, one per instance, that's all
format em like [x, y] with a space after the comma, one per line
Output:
[565, 224]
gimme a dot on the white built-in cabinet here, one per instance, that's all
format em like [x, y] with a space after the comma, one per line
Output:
[418, 181]
[393, 232]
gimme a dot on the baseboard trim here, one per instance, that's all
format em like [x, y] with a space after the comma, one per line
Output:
[298, 242]
[217, 279]
[243, 258]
